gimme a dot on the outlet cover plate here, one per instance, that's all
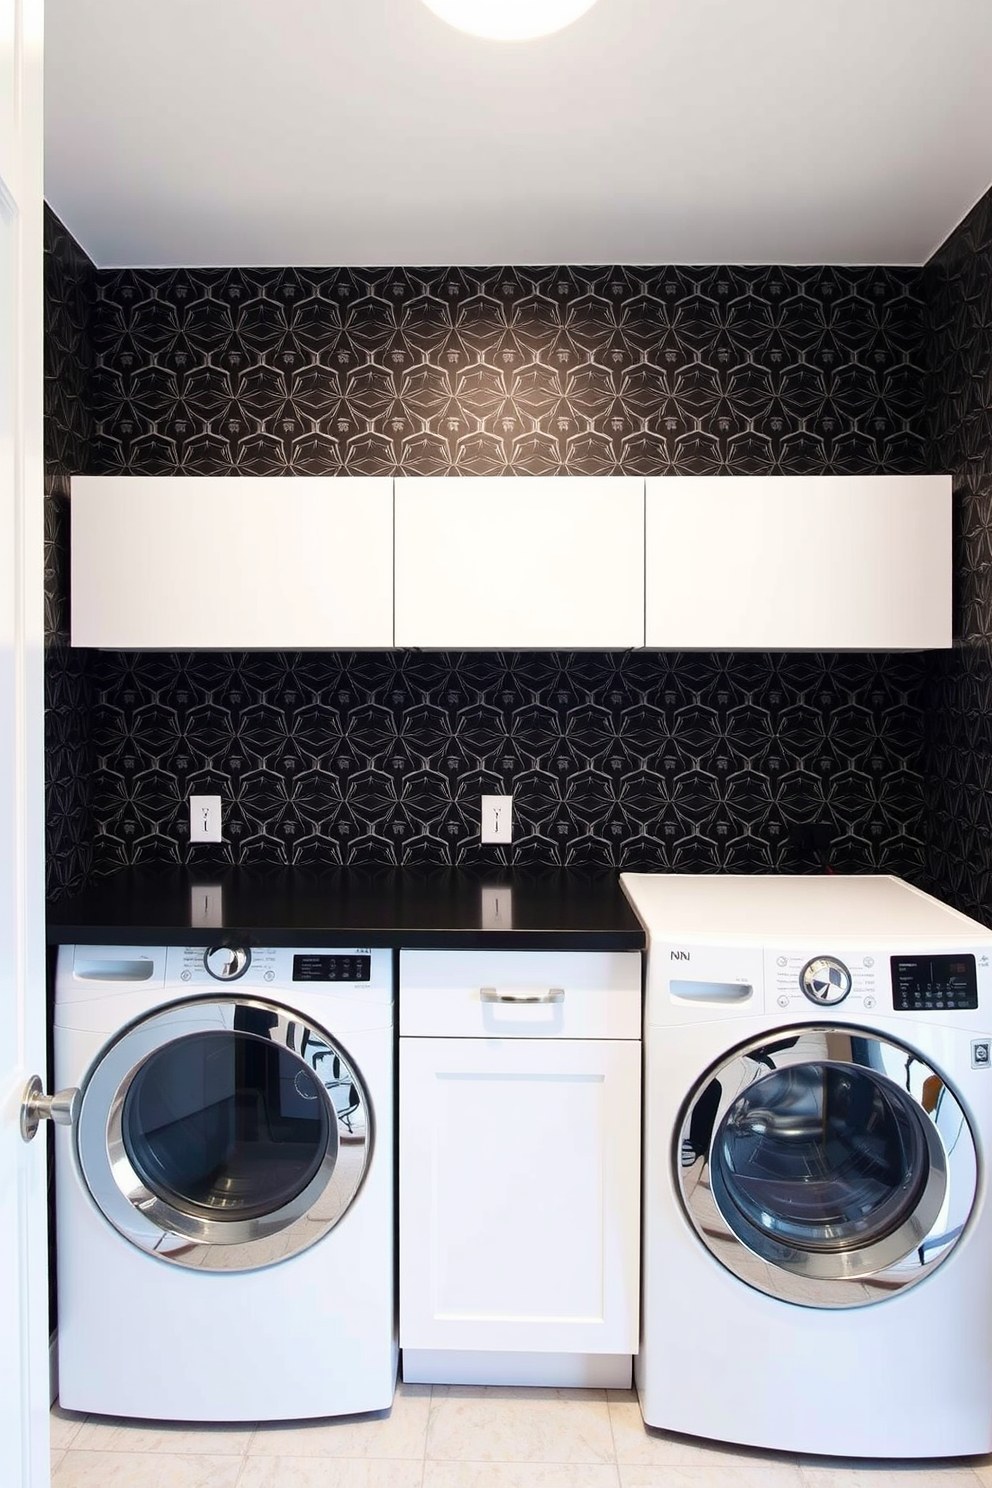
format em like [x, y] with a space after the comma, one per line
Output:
[497, 819]
[204, 819]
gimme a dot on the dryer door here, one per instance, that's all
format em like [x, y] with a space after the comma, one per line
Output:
[224, 1134]
[826, 1166]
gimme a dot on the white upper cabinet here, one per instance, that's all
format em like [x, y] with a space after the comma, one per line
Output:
[231, 562]
[792, 563]
[722, 563]
[528, 561]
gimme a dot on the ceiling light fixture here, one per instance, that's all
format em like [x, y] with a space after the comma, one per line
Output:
[509, 20]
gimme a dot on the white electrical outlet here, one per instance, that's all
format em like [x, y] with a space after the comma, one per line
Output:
[497, 819]
[204, 819]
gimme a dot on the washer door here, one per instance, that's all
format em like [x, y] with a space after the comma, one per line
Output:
[826, 1166]
[224, 1134]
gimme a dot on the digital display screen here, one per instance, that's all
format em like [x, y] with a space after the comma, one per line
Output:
[933, 983]
[323, 968]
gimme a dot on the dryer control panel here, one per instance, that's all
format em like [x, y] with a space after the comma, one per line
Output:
[933, 983]
[924, 982]
[797, 978]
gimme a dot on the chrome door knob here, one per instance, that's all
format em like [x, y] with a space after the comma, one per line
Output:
[62, 1108]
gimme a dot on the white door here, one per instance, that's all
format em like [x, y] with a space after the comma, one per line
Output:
[519, 1194]
[23, 1249]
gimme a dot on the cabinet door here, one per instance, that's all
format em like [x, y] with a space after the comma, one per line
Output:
[519, 1194]
[799, 562]
[238, 562]
[520, 562]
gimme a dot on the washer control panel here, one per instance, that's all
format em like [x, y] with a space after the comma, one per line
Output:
[241, 968]
[317, 966]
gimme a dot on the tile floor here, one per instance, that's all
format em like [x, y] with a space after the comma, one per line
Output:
[459, 1437]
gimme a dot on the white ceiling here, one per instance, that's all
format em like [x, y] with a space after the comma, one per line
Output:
[367, 132]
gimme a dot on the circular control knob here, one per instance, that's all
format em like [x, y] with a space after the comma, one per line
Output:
[227, 963]
[825, 980]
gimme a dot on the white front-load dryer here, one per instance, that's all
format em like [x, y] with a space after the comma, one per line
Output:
[818, 1110]
[224, 1198]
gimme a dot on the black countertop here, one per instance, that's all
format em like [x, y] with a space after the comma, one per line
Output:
[510, 909]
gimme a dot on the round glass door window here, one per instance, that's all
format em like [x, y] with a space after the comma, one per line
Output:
[815, 1175]
[224, 1134]
[226, 1126]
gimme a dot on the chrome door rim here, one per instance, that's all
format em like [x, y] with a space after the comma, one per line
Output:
[154, 1225]
[850, 1275]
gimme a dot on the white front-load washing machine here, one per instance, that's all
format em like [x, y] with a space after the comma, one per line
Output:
[224, 1197]
[817, 1257]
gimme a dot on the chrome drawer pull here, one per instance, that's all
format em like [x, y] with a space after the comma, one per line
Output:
[553, 994]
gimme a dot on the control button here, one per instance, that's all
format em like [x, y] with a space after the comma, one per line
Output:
[781, 961]
[869, 961]
[185, 976]
[227, 963]
[270, 976]
[825, 980]
[869, 1002]
[783, 1002]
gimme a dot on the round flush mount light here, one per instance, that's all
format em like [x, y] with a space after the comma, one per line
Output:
[509, 20]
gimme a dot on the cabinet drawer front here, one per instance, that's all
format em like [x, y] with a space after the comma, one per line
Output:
[520, 994]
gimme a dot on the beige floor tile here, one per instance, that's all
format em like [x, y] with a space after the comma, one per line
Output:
[64, 1425]
[111, 1434]
[57, 1455]
[983, 1467]
[491, 1423]
[326, 1472]
[143, 1470]
[520, 1475]
[947, 1472]
[730, 1474]
[638, 1445]
[399, 1433]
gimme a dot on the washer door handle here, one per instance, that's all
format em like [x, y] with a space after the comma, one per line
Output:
[62, 1108]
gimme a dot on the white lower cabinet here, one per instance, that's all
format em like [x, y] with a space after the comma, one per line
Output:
[519, 1167]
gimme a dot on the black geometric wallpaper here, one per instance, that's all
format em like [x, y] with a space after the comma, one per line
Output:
[958, 694]
[638, 759]
[696, 762]
[489, 371]
[69, 293]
